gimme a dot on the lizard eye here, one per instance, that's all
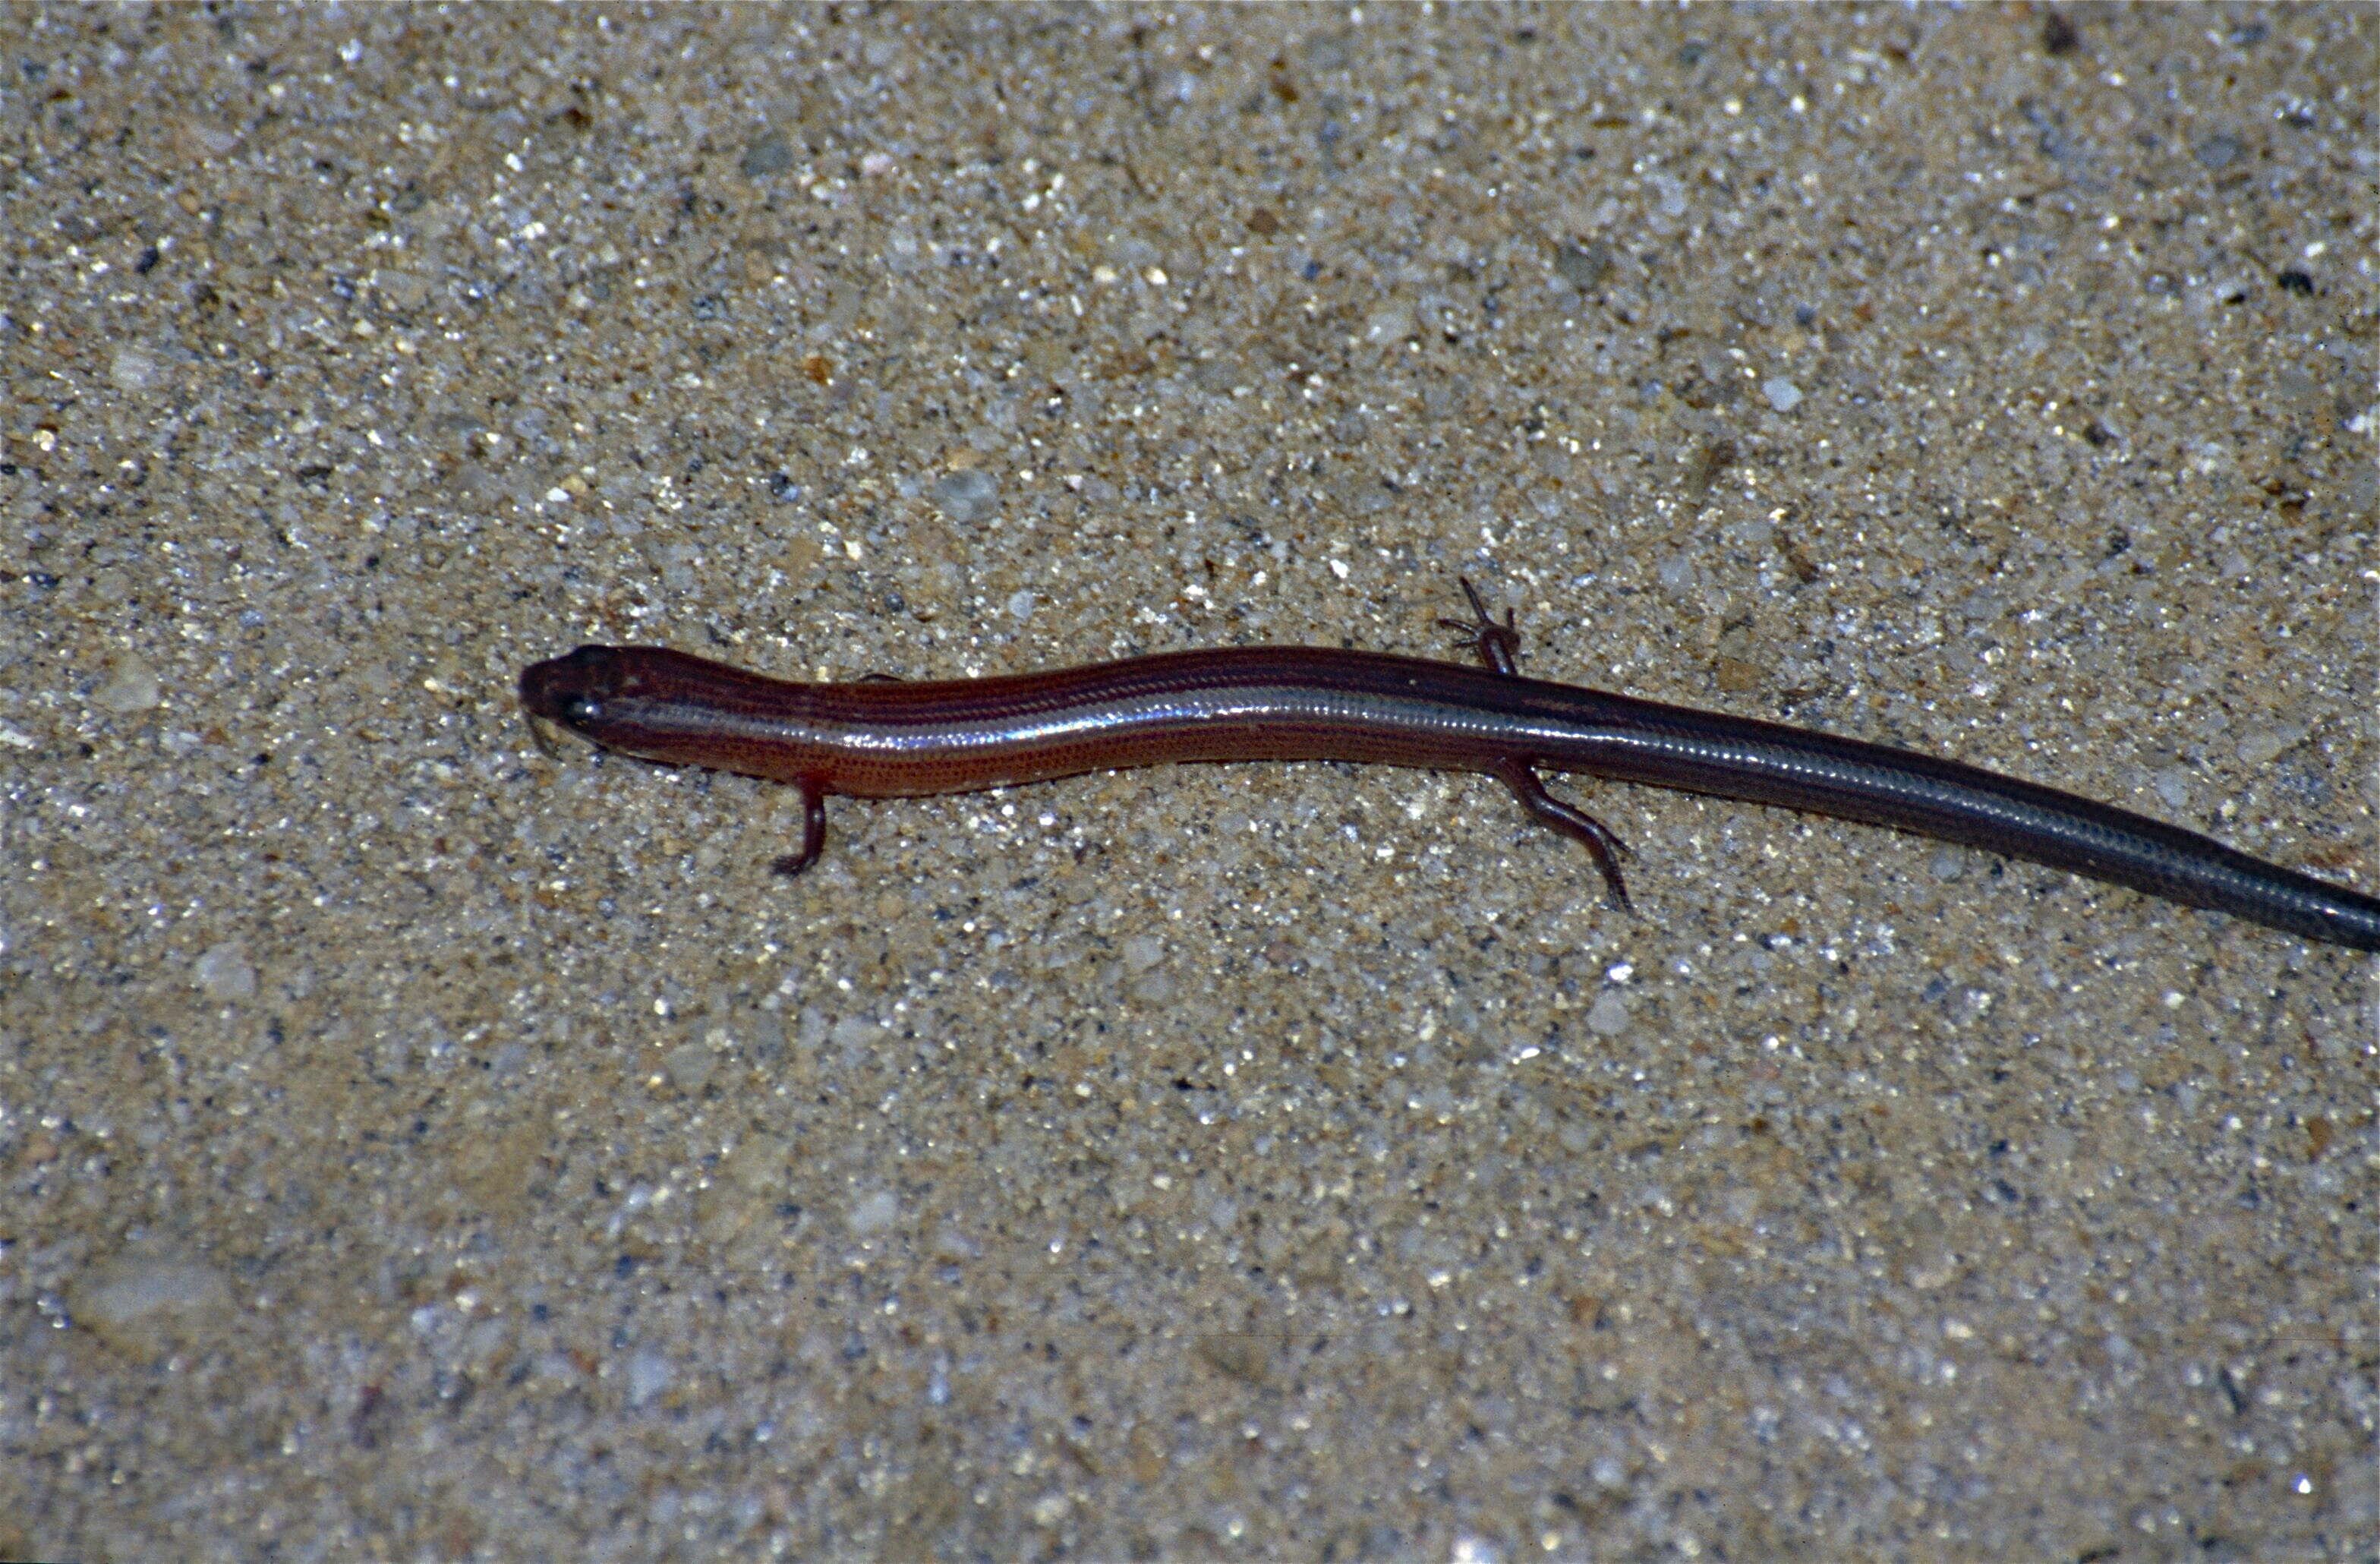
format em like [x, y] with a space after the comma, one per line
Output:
[581, 708]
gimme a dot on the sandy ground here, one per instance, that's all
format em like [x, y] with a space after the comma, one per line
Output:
[419, 1148]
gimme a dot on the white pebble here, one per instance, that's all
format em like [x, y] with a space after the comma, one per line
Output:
[126, 1302]
[223, 974]
[132, 369]
[130, 687]
[648, 1375]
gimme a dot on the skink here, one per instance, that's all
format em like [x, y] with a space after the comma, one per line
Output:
[892, 739]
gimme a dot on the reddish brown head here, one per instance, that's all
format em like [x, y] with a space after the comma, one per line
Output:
[650, 701]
